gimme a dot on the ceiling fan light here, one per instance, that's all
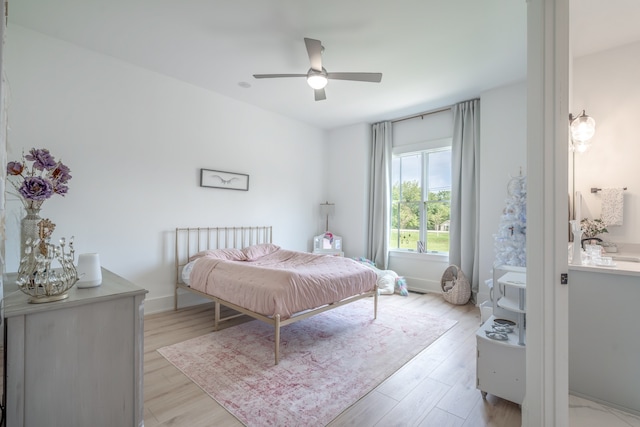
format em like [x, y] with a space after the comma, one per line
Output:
[317, 81]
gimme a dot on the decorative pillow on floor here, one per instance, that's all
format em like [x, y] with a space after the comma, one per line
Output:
[388, 280]
[401, 285]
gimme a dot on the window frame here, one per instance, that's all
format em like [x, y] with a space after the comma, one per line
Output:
[422, 148]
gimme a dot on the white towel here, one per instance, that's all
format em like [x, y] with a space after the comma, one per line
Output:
[577, 206]
[612, 206]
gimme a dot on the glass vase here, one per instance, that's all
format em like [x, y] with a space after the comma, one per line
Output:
[38, 275]
[29, 228]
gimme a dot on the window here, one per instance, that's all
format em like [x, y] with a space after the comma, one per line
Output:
[421, 200]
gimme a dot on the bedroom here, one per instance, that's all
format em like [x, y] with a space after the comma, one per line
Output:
[167, 130]
[139, 141]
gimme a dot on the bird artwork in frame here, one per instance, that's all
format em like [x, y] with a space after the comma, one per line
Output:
[222, 179]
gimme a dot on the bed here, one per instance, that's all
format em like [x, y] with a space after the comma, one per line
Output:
[240, 268]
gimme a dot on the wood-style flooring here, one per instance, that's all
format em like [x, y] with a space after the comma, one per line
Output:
[436, 388]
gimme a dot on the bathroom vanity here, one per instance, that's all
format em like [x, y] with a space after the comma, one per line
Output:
[604, 342]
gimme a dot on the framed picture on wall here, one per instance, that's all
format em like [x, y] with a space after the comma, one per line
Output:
[222, 179]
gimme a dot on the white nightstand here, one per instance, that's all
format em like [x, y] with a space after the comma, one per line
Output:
[328, 244]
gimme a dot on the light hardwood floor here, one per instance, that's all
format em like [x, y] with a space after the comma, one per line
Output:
[436, 388]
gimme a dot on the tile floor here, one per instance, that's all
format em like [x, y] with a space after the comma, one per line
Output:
[585, 413]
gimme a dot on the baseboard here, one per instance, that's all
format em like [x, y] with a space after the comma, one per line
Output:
[482, 297]
[424, 286]
[165, 303]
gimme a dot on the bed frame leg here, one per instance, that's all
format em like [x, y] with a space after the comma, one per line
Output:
[375, 303]
[216, 316]
[175, 298]
[277, 338]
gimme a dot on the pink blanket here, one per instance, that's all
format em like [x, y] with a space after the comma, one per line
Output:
[283, 282]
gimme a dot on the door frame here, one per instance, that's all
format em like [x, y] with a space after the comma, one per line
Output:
[547, 392]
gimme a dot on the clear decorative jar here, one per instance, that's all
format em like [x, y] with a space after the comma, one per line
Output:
[41, 280]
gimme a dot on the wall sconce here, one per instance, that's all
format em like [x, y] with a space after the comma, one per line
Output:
[327, 209]
[582, 130]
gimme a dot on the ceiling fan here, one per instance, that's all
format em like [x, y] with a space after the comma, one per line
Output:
[317, 76]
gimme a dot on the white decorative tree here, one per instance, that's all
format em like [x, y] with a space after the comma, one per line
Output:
[511, 238]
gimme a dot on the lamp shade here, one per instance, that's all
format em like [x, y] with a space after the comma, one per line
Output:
[327, 209]
[582, 127]
[89, 272]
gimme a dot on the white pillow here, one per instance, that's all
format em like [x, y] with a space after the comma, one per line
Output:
[386, 282]
[186, 271]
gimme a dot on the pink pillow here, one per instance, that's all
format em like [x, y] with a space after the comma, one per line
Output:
[231, 254]
[254, 252]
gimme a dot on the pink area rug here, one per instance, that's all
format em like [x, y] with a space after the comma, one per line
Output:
[327, 362]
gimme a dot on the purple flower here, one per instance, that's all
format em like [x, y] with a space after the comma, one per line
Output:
[14, 168]
[61, 173]
[36, 188]
[60, 188]
[41, 159]
[44, 178]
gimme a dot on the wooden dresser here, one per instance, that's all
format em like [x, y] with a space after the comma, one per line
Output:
[76, 362]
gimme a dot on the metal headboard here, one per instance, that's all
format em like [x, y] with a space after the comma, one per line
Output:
[190, 241]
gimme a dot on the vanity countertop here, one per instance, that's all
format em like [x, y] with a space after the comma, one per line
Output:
[626, 268]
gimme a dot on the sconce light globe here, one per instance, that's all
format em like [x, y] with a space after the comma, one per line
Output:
[582, 127]
[580, 147]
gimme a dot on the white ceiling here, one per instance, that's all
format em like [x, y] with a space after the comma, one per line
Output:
[431, 52]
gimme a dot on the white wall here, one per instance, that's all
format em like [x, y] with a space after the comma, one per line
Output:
[135, 142]
[503, 154]
[605, 84]
[347, 172]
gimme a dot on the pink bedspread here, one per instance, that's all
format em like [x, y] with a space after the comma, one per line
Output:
[283, 282]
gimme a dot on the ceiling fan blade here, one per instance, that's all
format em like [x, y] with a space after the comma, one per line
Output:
[320, 95]
[314, 49]
[360, 77]
[273, 76]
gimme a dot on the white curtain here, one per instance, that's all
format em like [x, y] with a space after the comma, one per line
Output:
[379, 195]
[465, 194]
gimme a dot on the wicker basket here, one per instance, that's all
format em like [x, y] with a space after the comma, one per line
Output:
[456, 289]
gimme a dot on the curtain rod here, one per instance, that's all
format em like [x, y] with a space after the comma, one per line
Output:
[426, 113]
